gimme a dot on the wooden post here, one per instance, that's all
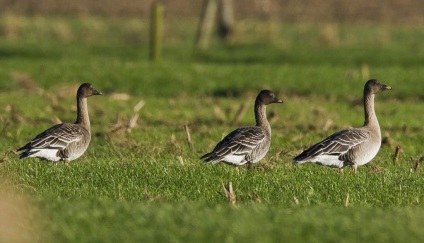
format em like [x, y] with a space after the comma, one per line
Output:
[226, 19]
[207, 19]
[156, 19]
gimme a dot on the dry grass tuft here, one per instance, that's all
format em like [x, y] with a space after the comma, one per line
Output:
[120, 96]
[347, 201]
[398, 152]
[255, 197]
[126, 125]
[377, 169]
[417, 163]
[229, 193]
[241, 111]
[188, 136]
[387, 140]
[219, 114]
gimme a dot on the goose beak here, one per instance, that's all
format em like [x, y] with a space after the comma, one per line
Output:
[386, 87]
[276, 100]
[96, 92]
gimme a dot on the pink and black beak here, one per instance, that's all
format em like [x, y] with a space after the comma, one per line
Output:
[95, 91]
[276, 100]
[386, 87]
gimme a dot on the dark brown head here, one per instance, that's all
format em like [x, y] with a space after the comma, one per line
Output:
[86, 90]
[374, 86]
[266, 97]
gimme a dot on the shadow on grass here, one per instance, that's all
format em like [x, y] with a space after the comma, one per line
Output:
[28, 52]
[260, 53]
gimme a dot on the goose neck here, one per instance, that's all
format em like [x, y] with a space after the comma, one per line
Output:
[370, 116]
[82, 113]
[260, 117]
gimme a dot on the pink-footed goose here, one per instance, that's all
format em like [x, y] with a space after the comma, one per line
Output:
[246, 144]
[355, 146]
[66, 141]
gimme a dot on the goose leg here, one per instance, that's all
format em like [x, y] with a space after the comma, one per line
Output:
[62, 153]
[249, 165]
[355, 168]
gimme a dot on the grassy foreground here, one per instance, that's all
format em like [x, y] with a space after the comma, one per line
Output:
[144, 183]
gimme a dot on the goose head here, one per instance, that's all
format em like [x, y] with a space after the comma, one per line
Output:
[374, 86]
[266, 97]
[86, 90]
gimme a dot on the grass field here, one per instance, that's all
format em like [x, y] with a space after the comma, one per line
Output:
[145, 184]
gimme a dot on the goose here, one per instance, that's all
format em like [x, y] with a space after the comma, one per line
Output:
[355, 146]
[246, 144]
[65, 141]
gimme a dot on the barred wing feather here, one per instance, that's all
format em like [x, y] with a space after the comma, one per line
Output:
[57, 137]
[239, 143]
[335, 145]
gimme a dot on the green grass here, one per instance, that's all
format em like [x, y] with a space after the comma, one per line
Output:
[131, 186]
[164, 222]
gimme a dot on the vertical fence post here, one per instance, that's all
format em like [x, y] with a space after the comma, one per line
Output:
[207, 19]
[156, 19]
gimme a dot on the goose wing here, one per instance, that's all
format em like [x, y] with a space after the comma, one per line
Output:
[57, 137]
[240, 142]
[335, 145]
